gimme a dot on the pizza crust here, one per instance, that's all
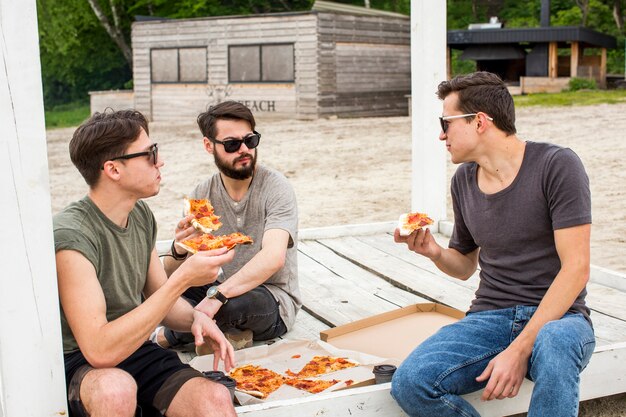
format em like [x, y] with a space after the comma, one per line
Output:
[181, 245]
[257, 394]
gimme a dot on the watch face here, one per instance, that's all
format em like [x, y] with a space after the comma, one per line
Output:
[210, 293]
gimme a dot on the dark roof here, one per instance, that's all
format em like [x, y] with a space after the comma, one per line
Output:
[460, 39]
[493, 52]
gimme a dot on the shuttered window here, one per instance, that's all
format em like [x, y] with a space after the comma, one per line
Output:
[178, 65]
[261, 63]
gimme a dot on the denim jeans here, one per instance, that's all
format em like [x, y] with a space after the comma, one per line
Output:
[256, 310]
[432, 378]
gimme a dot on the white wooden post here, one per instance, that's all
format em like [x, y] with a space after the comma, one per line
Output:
[32, 381]
[428, 69]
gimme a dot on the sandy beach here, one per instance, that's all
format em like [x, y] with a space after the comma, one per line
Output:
[359, 170]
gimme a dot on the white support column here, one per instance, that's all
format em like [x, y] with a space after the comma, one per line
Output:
[32, 381]
[428, 69]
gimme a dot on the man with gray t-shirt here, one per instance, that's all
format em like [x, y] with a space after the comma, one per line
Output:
[258, 295]
[522, 211]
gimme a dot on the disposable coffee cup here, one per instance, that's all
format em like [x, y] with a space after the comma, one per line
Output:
[229, 383]
[213, 375]
[383, 373]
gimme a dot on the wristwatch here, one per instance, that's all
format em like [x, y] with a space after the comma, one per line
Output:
[214, 292]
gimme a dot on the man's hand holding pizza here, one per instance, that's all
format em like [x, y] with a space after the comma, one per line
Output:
[203, 267]
[421, 242]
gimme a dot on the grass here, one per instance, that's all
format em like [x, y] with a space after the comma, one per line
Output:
[571, 98]
[66, 115]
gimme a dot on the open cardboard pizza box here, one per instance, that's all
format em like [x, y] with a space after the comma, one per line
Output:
[293, 355]
[393, 334]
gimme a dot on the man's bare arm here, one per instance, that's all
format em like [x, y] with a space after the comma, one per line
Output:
[269, 260]
[105, 343]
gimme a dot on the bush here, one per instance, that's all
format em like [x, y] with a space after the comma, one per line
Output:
[576, 84]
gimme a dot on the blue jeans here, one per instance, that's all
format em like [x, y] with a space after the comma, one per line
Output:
[432, 378]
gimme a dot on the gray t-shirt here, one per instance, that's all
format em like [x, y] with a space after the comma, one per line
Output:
[120, 256]
[270, 203]
[514, 228]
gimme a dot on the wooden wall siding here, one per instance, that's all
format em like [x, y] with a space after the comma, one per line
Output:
[186, 101]
[364, 29]
[371, 67]
[367, 74]
[163, 34]
[115, 99]
[365, 66]
[301, 30]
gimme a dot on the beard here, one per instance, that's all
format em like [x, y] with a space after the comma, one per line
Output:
[242, 173]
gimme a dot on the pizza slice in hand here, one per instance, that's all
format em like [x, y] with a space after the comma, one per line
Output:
[209, 242]
[410, 222]
[205, 219]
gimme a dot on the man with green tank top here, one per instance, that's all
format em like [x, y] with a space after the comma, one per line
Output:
[113, 288]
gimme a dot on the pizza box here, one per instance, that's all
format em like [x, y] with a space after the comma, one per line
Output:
[293, 355]
[393, 334]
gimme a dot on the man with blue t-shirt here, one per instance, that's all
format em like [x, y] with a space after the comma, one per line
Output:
[522, 212]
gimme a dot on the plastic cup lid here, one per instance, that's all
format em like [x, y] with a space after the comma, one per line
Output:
[384, 369]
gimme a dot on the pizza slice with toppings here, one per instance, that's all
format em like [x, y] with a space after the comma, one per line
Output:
[256, 381]
[320, 365]
[313, 386]
[209, 242]
[205, 219]
[410, 222]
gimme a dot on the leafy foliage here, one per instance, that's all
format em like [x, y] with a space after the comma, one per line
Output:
[576, 84]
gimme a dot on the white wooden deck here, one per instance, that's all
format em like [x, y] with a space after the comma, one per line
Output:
[351, 272]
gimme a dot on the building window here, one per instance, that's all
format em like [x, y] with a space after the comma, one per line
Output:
[261, 63]
[178, 65]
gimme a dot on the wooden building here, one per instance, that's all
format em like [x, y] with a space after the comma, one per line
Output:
[304, 65]
[536, 59]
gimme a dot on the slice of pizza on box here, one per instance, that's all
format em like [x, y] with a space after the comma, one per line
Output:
[320, 365]
[205, 219]
[256, 380]
[410, 222]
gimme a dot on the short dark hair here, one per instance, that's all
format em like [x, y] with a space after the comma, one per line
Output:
[227, 110]
[482, 92]
[104, 136]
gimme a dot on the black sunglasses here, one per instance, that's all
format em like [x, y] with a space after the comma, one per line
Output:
[233, 145]
[153, 153]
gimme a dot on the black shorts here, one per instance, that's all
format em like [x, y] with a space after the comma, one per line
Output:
[158, 372]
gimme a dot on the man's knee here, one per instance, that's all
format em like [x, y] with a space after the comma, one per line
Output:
[410, 386]
[559, 349]
[208, 398]
[112, 391]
